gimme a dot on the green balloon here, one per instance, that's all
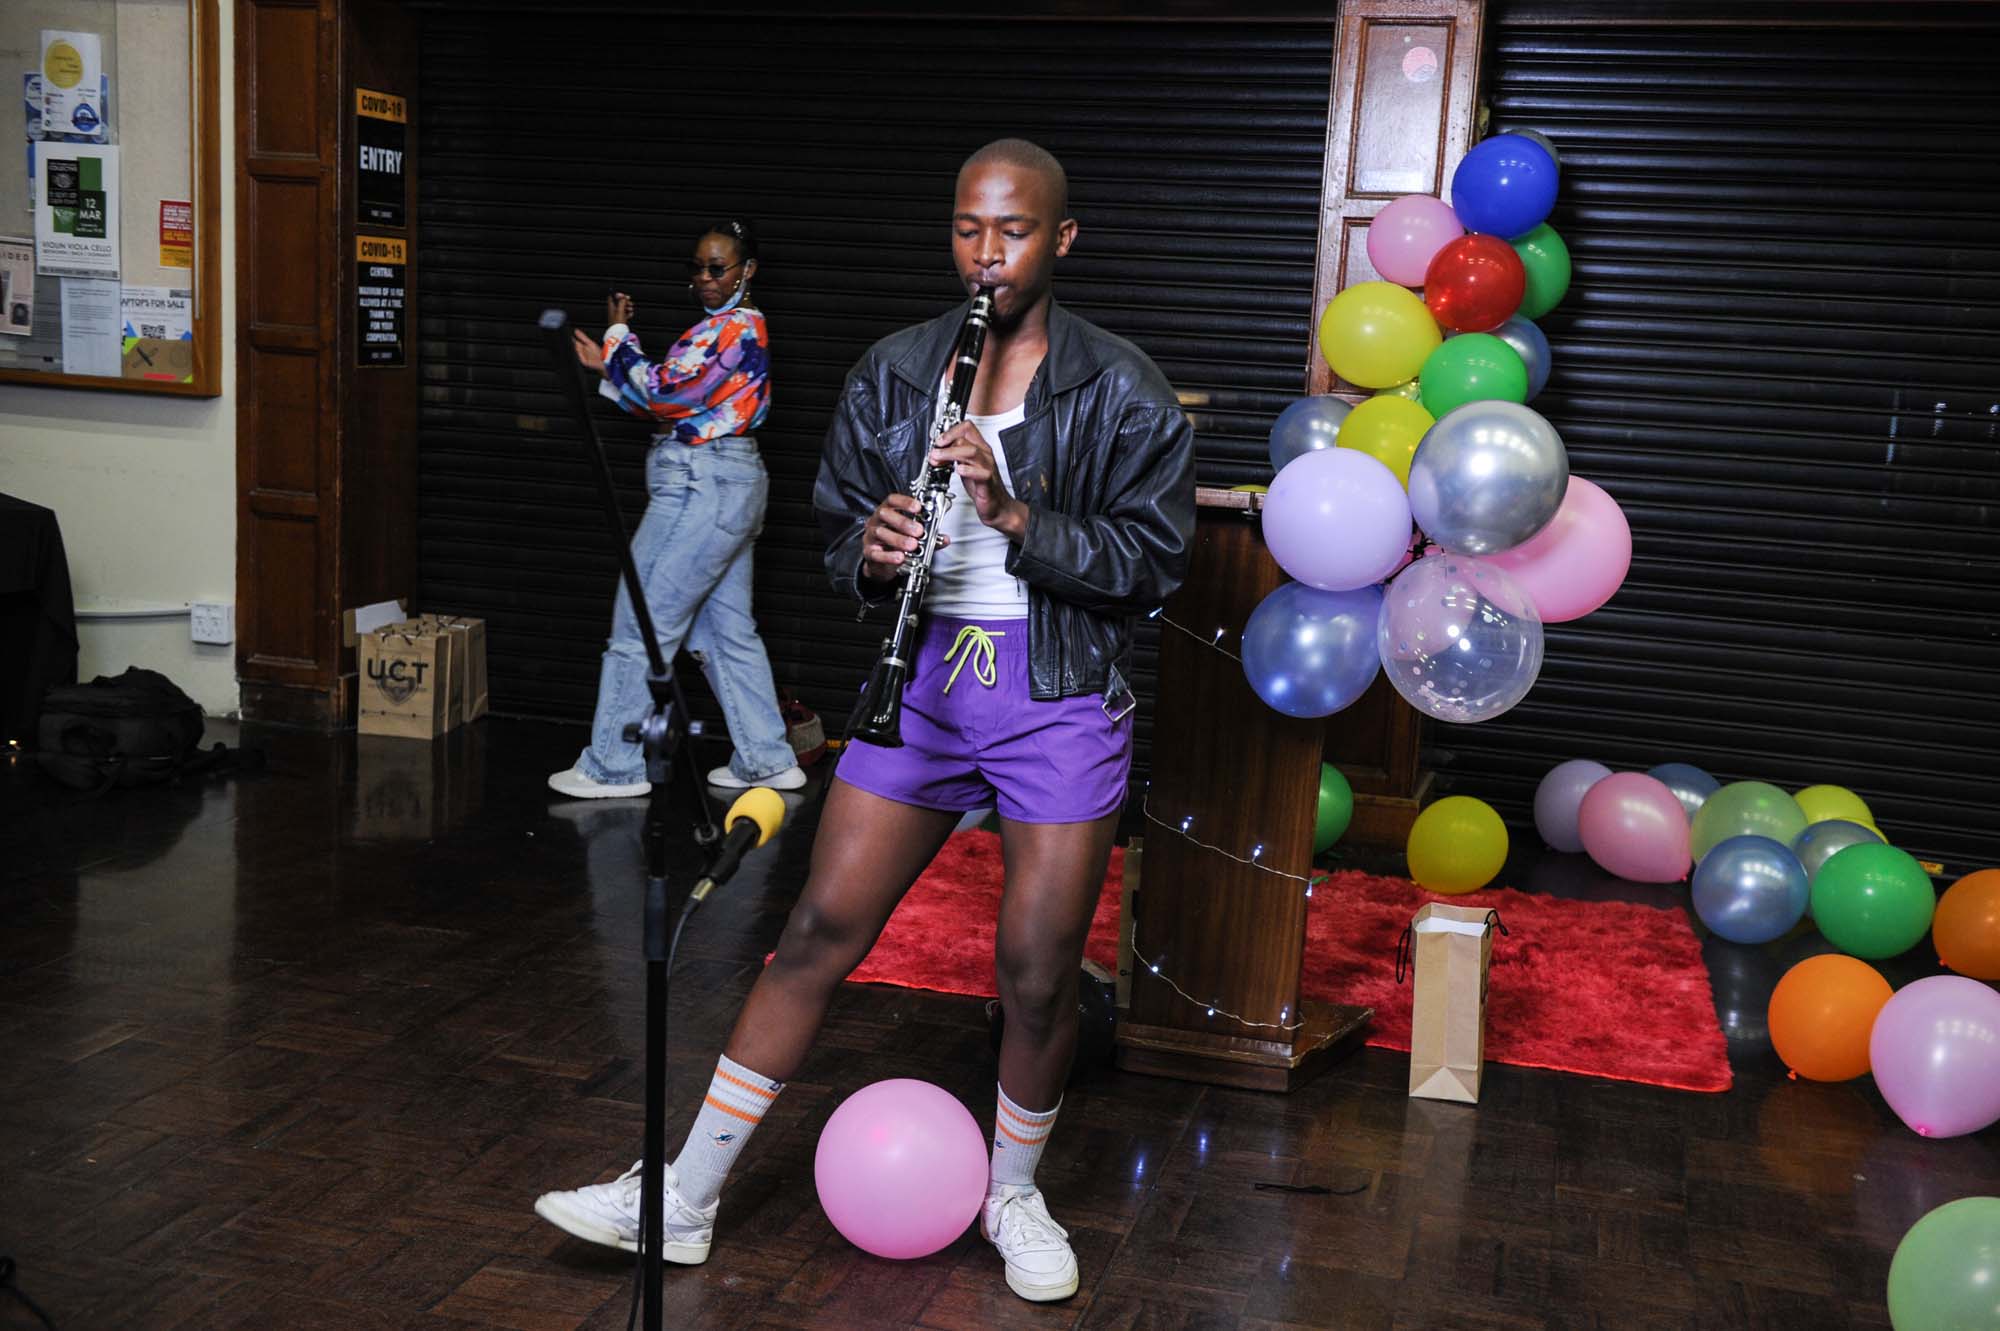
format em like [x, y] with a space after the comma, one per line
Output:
[1873, 901]
[1336, 808]
[1546, 258]
[1745, 808]
[1472, 367]
[1946, 1272]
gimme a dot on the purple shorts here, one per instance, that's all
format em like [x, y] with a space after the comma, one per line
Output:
[984, 745]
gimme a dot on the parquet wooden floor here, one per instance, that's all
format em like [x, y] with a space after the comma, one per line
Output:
[297, 1051]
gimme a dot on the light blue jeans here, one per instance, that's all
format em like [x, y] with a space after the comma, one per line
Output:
[693, 551]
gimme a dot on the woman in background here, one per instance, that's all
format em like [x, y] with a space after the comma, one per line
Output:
[693, 548]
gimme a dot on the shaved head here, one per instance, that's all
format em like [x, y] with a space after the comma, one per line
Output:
[1025, 156]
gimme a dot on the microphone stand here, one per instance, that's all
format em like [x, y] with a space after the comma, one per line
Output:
[660, 735]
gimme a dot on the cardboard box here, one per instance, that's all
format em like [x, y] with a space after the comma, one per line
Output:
[1451, 949]
[406, 682]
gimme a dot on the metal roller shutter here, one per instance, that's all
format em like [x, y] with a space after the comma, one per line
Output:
[1781, 353]
[556, 168]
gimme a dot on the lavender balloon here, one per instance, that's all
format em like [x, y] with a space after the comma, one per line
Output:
[1459, 640]
[1558, 798]
[1337, 519]
[1935, 1052]
[1310, 653]
[1308, 424]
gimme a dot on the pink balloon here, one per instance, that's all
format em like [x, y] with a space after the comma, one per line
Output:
[1634, 826]
[1406, 236]
[1573, 565]
[1337, 519]
[901, 1168]
[1935, 1052]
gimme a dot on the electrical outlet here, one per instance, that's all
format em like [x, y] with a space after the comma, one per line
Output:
[212, 621]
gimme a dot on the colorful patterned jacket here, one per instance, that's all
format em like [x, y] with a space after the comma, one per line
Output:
[713, 383]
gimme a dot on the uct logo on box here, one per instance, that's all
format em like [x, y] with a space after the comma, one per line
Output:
[397, 679]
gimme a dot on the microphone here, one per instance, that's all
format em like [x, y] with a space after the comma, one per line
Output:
[752, 820]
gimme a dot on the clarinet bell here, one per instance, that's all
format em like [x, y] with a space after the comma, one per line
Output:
[880, 716]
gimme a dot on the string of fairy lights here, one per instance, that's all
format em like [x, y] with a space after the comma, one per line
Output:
[1184, 828]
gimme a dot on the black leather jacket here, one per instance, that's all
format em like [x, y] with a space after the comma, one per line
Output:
[1103, 458]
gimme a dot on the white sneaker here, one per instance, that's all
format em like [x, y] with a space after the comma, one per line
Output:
[1040, 1265]
[608, 1213]
[790, 779]
[578, 786]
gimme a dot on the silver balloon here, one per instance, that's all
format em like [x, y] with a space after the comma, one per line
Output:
[1308, 424]
[1487, 476]
[1820, 842]
[1750, 889]
[1459, 639]
[1691, 785]
[1537, 137]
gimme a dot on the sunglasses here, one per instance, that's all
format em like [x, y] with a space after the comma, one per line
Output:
[714, 270]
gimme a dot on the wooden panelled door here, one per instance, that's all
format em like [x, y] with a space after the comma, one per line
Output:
[325, 441]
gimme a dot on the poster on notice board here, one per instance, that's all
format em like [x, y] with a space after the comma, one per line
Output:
[76, 213]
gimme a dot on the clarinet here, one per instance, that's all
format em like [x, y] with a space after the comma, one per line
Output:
[878, 718]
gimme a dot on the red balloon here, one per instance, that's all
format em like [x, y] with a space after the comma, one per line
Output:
[1475, 283]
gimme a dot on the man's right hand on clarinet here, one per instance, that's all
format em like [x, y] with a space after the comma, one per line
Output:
[891, 535]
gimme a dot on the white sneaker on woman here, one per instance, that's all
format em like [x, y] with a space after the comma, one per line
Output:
[608, 1213]
[1040, 1265]
[576, 785]
[790, 779]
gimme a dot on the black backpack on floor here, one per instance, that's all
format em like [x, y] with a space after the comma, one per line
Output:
[137, 729]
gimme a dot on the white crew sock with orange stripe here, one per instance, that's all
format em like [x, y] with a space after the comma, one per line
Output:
[734, 1106]
[1018, 1138]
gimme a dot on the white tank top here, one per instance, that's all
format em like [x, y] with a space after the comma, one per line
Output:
[969, 579]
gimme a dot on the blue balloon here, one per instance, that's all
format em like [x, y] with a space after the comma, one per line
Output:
[1308, 424]
[1750, 889]
[1505, 186]
[1691, 785]
[1526, 339]
[1529, 344]
[1310, 653]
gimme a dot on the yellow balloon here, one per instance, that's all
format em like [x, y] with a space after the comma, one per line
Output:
[1457, 845]
[1376, 334]
[1387, 429]
[1821, 802]
[1250, 489]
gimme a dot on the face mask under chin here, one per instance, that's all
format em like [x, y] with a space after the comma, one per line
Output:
[729, 304]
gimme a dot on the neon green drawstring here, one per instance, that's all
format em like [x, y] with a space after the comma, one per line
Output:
[978, 645]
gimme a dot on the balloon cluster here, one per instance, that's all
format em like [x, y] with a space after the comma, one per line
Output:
[1763, 861]
[1435, 528]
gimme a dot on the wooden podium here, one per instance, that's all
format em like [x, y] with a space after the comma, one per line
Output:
[1228, 936]
[1240, 775]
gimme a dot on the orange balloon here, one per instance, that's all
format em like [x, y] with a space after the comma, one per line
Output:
[1966, 927]
[1822, 1014]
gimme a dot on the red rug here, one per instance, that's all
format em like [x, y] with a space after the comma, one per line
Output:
[1605, 989]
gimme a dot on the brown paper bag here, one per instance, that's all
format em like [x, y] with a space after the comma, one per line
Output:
[1450, 948]
[469, 654]
[405, 682]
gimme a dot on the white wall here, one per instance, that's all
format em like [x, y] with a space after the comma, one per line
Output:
[144, 487]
